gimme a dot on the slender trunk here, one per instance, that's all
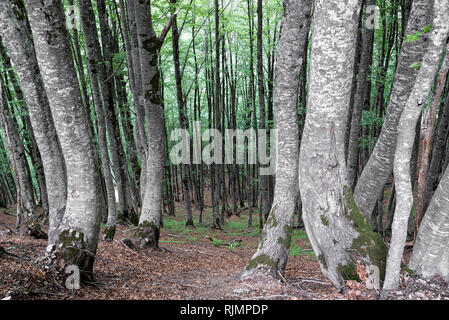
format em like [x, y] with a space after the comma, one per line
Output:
[380, 163]
[365, 62]
[94, 58]
[274, 245]
[406, 138]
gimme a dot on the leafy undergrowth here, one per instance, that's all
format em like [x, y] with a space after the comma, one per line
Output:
[193, 263]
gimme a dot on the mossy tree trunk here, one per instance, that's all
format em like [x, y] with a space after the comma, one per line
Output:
[149, 46]
[80, 226]
[338, 233]
[274, 244]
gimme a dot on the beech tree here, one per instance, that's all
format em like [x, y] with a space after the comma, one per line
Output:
[274, 244]
[79, 228]
[406, 136]
[380, 163]
[337, 231]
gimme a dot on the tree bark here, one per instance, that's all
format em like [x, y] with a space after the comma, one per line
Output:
[406, 138]
[274, 244]
[338, 233]
[149, 46]
[355, 125]
[78, 232]
[17, 37]
[380, 163]
[95, 71]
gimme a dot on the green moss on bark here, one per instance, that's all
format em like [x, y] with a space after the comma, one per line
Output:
[148, 233]
[261, 260]
[324, 220]
[322, 260]
[368, 244]
[287, 241]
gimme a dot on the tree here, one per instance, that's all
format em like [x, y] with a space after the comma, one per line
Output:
[406, 137]
[149, 46]
[338, 233]
[365, 62]
[100, 93]
[78, 232]
[380, 163]
[17, 36]
[275, 242]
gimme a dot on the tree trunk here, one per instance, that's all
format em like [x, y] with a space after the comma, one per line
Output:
[355, 125]
[78, 232]
[149, 46]
[380, 163]
[426, 134]
[17, 37]
[338, 233]
[274, 245]
[94, 59]
[406, 138]
[26, 206]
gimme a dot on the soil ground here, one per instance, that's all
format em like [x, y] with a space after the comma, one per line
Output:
[192, 264]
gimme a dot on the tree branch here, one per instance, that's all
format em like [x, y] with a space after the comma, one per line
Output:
[168, 25]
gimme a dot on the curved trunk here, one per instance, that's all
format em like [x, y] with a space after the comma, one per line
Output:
[406, 138]
[274, 244]
[380, 163]
[78, 232]
[18, 39]
[430, 253]
[338, 233]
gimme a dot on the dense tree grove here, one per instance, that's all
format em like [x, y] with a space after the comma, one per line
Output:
[327, 115]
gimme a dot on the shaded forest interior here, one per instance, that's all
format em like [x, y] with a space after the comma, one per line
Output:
[224, 149]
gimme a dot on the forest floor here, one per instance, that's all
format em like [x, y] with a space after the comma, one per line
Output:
[192, 264]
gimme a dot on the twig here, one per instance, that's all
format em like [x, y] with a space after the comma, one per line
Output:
[282, 277]
[303, 279]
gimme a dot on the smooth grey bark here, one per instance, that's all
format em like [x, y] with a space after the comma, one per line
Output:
[97, 75]
[359, 99]
[338, 233]
[406, 138]
[380, 163]
[79, 229]
[131, 140]
[17, 38]
[141, 135]
[149, 46]
[263, 179]
[430, 254]
[274, 244]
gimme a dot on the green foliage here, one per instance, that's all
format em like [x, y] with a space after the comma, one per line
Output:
[418, 35]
